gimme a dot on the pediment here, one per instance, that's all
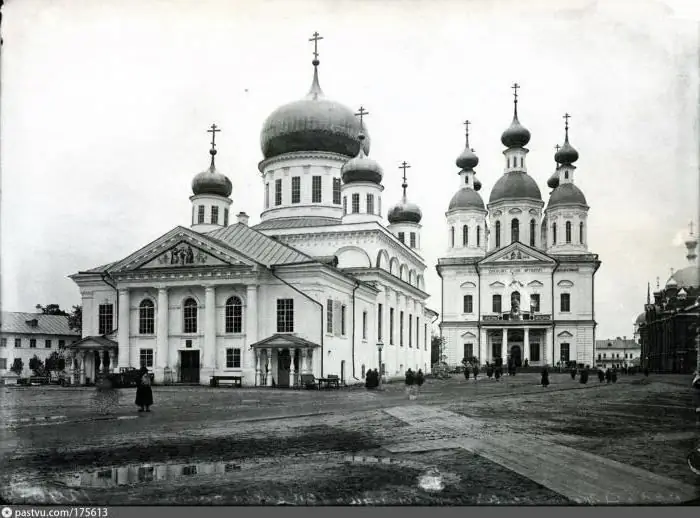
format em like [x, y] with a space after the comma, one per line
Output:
[565, 334]
[497, 284]
[181, 248]
[468, 284]
[516, 254]
[535, 284]
[565, 284]
[468, 334]
[515, 211]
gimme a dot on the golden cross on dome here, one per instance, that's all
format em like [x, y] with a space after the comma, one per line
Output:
[404, 165]
[515, 91]
[566, 118]
[361, 113]
[214, 130]
[315, 40]
[557, 147]
[466, 124]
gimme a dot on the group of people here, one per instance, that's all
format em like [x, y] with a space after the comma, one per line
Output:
[414, 381]
[372, 378]
[107, 396]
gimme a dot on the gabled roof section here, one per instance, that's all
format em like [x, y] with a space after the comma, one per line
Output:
[257, 246]
[89, 342]
[284, 340]
[516, 254]
[23, 323]
[286, 223]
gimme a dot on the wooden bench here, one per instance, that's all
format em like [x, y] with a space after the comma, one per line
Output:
[308, 381]
[236, 379]
[331, 381]
[40, 380]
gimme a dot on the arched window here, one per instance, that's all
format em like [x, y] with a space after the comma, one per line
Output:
[532, 232]
[478, 236]
[452, 236]
[146, 317]
[498, 234]
[522, 162]
[554, 233]
[514, 230]
[568, 231]
[234, 315]
[465, 235]
[580, 232]
[566, 175]
[189, 315]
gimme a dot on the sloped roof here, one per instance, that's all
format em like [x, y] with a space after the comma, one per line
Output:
[284, 340]
[257, 246]
[14, 322]
[99, 340]
[617, 343]
[285, 223]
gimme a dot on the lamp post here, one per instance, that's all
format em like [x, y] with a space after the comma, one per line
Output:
[380, 346]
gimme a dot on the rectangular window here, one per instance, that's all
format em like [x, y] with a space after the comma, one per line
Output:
[534, 352]
[316, 189]
[417, 333]
[364, 325]
[267, 195]
[425, 336]
[401, 328]
[3, 342]
[535, 302]
[565, 301]
[285, 315]
[468, 303]
[61, 344]
[278, 192]
[370, 204]
[233, 358]
[200, 214]
[410, 330]
[355, 203]
[329, 316]
[146, 358]
[226, 217]
[496, 304]
[599, 356]
[379, 206]
[496, 350]
[214, 215]
[402, 237]
[413, 239]
[47, 344]
[564, 352]
[336, 191]
[18, 343]
[391, 326]
[605, 355]
[342, 319]
[379, 321]
[3, 364]
[296, 189]
[345, 205]
[105, 318]
[468, 351]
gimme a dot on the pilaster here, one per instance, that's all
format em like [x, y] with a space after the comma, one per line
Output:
[126, 356]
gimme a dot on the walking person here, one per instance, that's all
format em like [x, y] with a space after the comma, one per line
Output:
[601, 375]
[466, 372]
[497, 373]
[475, 372]
[545, 377]
[608, 375]
[410, 379]
[144, 393]
[613, 375]
[420, 379]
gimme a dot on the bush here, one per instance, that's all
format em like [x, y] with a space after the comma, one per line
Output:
[36, 365]
[17, 366]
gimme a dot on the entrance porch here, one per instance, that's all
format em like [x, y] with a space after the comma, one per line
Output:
[281, 359]
[519, 344]
[89, 357]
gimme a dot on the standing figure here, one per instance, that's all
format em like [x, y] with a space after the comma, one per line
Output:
[489, 370]
[476, 371]
[573, 373]
[420, 379]
[613, 375]
[601, 375]
[497, 373]
[144, 394]
[545, 377]
[410, 378]
[466, 372]
[608, 375]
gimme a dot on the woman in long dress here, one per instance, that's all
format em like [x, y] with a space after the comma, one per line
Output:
[144, 393]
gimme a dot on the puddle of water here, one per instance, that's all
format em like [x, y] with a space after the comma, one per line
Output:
[431, 481]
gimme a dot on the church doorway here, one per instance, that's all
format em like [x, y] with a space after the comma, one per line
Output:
[516, 355]
[342, 372]
[284, 362]
[189, 366]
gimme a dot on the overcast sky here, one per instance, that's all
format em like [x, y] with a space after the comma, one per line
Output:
[106, 103]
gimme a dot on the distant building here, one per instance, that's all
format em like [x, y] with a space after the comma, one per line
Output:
[668, 328]
[617, 351]
[24, 335]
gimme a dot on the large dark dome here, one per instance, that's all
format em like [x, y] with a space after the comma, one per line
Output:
[515, 185]
[566, 194]
[688, 277]
[516, 135]
[212, 182]
[405, 212]
[313, 123]
[361, 169]
[466, 198]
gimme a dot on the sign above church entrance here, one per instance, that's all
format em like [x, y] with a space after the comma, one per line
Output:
[183, 254]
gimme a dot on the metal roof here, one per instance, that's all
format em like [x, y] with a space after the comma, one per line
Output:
[284, 223]
[18, 323]
[257, 246]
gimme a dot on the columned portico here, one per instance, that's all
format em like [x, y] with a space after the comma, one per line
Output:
[209, 354]
[526, 345]
[504, 346]
[251, 358]
[162, 337]
[125, 355]
[284, 358]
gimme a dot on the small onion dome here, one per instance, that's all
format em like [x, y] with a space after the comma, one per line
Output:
[671, 282]
[688, 277]
[313, 123]
[566, 154]
[362, 169]
[515, 185]
[641, 319]
[467, 159]
[477, 184]
[466, 198]
[212, 182]
[516, 135]
[566, 194]
[405, 212]
[553, 181]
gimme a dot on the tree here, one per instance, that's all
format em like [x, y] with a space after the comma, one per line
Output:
[17, 366]
[51, 309]
[75, 319]
[36, 365]
[436, 348]
[55, 362]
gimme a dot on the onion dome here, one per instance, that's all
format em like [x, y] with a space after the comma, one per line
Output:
[641, 319]
[404, 211]
[671, 282]
[516, 135]
[361, 168]
[211, 181]
[566, 194]
[477, 184]
[688, 277]
[313, 123]
[566, 154]
[466, 198]
[467, 159]
[515, 185]
[553, 181]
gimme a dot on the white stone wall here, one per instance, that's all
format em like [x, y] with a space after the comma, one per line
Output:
[362, 189]
[26, 353]
[561, 215]
[522, 210]
[473, 219]
[208, 201]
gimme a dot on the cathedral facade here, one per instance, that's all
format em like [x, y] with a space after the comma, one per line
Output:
[321, 286]
[518, 276]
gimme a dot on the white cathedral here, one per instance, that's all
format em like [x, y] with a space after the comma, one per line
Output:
[517, 282]
[320, 286]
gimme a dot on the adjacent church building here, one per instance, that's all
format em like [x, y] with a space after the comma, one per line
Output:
[322, 285]
[518, 276]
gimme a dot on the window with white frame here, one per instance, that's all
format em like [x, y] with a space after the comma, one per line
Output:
[3, 342]
[496, 304]
[379, 321]
[468, 351]
[146, 358]
[401, 328]
[214, 215]
[355, 203]
[402, 237]
[316, 189]
[468, 304]
[412, 243]
[47, 344]
[336, 191]
[410, 330]
[514, 230]
[267, 195]
[370, 204]
[296, 189]
[345, 205]
[568, 231]
[3, 364]
[580, 232]
[105, 314]
[465, 235]
[534, 352]
[565, 302]
[285, 315]
[364, 325]
[18, 343]
[189, 316]
[226, 217]
[417, 332]
[535, 302]
[343, 311]
[233, 358]
[564, 355]
[532, 232]
[498, 234]
[32, 343]
[61, 344]
[391, 326]
[425, 336]
[278, 192]
[452, 237]
[478, 236]
[147, 317]
[329, 316]
[233, 315]
[200, 214]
